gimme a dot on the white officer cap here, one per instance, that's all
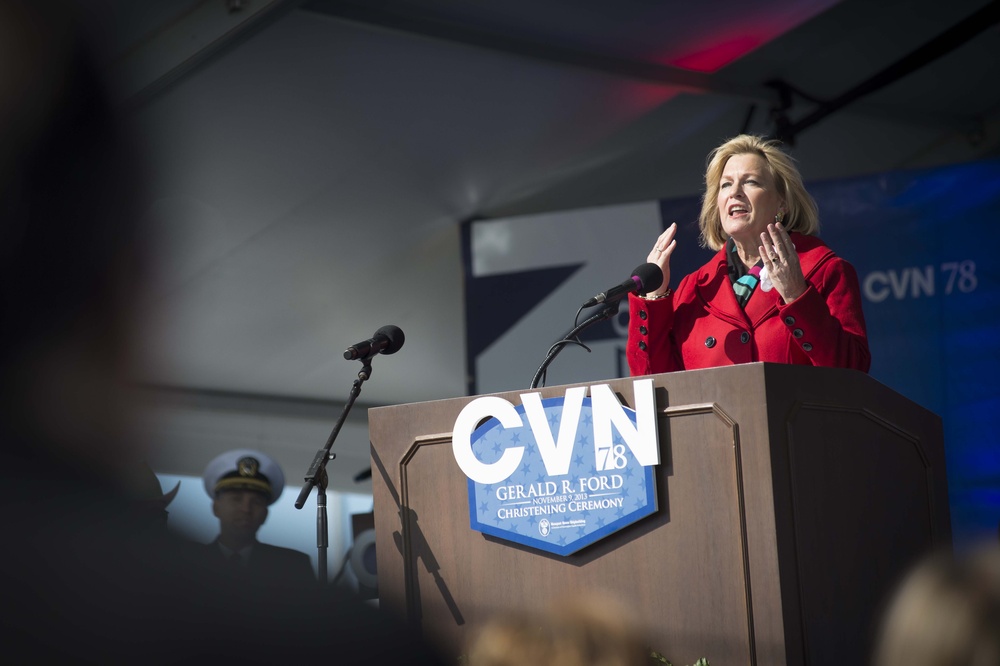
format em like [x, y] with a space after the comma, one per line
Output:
[244, 469]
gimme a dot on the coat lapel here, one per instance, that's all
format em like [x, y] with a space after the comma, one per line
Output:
[762, 304]
[716, 292]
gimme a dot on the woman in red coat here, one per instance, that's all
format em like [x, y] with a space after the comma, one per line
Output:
[773, 292]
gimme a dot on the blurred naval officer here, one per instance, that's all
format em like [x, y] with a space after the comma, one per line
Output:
[242, 484]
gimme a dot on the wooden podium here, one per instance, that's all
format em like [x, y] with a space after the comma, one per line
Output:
[791, 499]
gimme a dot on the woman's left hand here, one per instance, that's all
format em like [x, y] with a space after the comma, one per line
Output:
[782, 262]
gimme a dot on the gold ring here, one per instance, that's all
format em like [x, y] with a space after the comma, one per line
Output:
[774, 258]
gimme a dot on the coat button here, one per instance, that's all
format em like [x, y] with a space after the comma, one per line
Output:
[797, 332]
[807, 347]
[642, 314]
[710, 342]
[744, 337]
[789, 320]
[642, 345]
[642, 330]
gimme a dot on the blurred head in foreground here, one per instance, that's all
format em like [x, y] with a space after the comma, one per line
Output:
[946, 613]
[69, 250]
[585, 630]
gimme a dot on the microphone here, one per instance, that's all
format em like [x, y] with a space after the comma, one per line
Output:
[645, 278]
[387, 340]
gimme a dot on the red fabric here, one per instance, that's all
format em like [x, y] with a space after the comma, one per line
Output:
[824, 326]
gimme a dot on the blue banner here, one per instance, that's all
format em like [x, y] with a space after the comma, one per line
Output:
[925, 246]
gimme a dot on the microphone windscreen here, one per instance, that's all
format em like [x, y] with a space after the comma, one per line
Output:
[396, 337]
[650, 276]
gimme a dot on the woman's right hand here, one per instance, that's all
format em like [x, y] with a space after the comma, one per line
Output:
[660, 255]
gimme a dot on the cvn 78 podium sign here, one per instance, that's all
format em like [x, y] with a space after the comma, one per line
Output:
[561, 473]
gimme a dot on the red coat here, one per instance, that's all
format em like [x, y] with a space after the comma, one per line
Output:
[702, 325]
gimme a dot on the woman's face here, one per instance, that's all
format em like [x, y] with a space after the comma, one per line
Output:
[748, 199]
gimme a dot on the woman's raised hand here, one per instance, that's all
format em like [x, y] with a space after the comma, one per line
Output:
[660, 255]
[782, 262]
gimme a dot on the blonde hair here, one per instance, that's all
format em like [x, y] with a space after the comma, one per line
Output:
[582, 630]
[946, 613]
[801, 214]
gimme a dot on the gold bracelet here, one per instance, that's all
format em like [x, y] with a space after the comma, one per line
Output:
[658, 296]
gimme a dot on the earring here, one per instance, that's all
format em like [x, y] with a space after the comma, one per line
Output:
[778, 217]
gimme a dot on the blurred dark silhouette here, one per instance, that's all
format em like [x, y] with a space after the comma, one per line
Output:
[84, 577]
[151, 502]
[71, 258]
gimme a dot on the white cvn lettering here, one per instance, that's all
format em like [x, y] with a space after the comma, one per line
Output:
[557, 451]
[909, 282]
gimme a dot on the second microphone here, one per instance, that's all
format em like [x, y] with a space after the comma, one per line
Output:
[387, 340]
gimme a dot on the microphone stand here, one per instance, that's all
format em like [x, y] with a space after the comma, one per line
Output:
[316, 475]
[607, 312]
[322, 529]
